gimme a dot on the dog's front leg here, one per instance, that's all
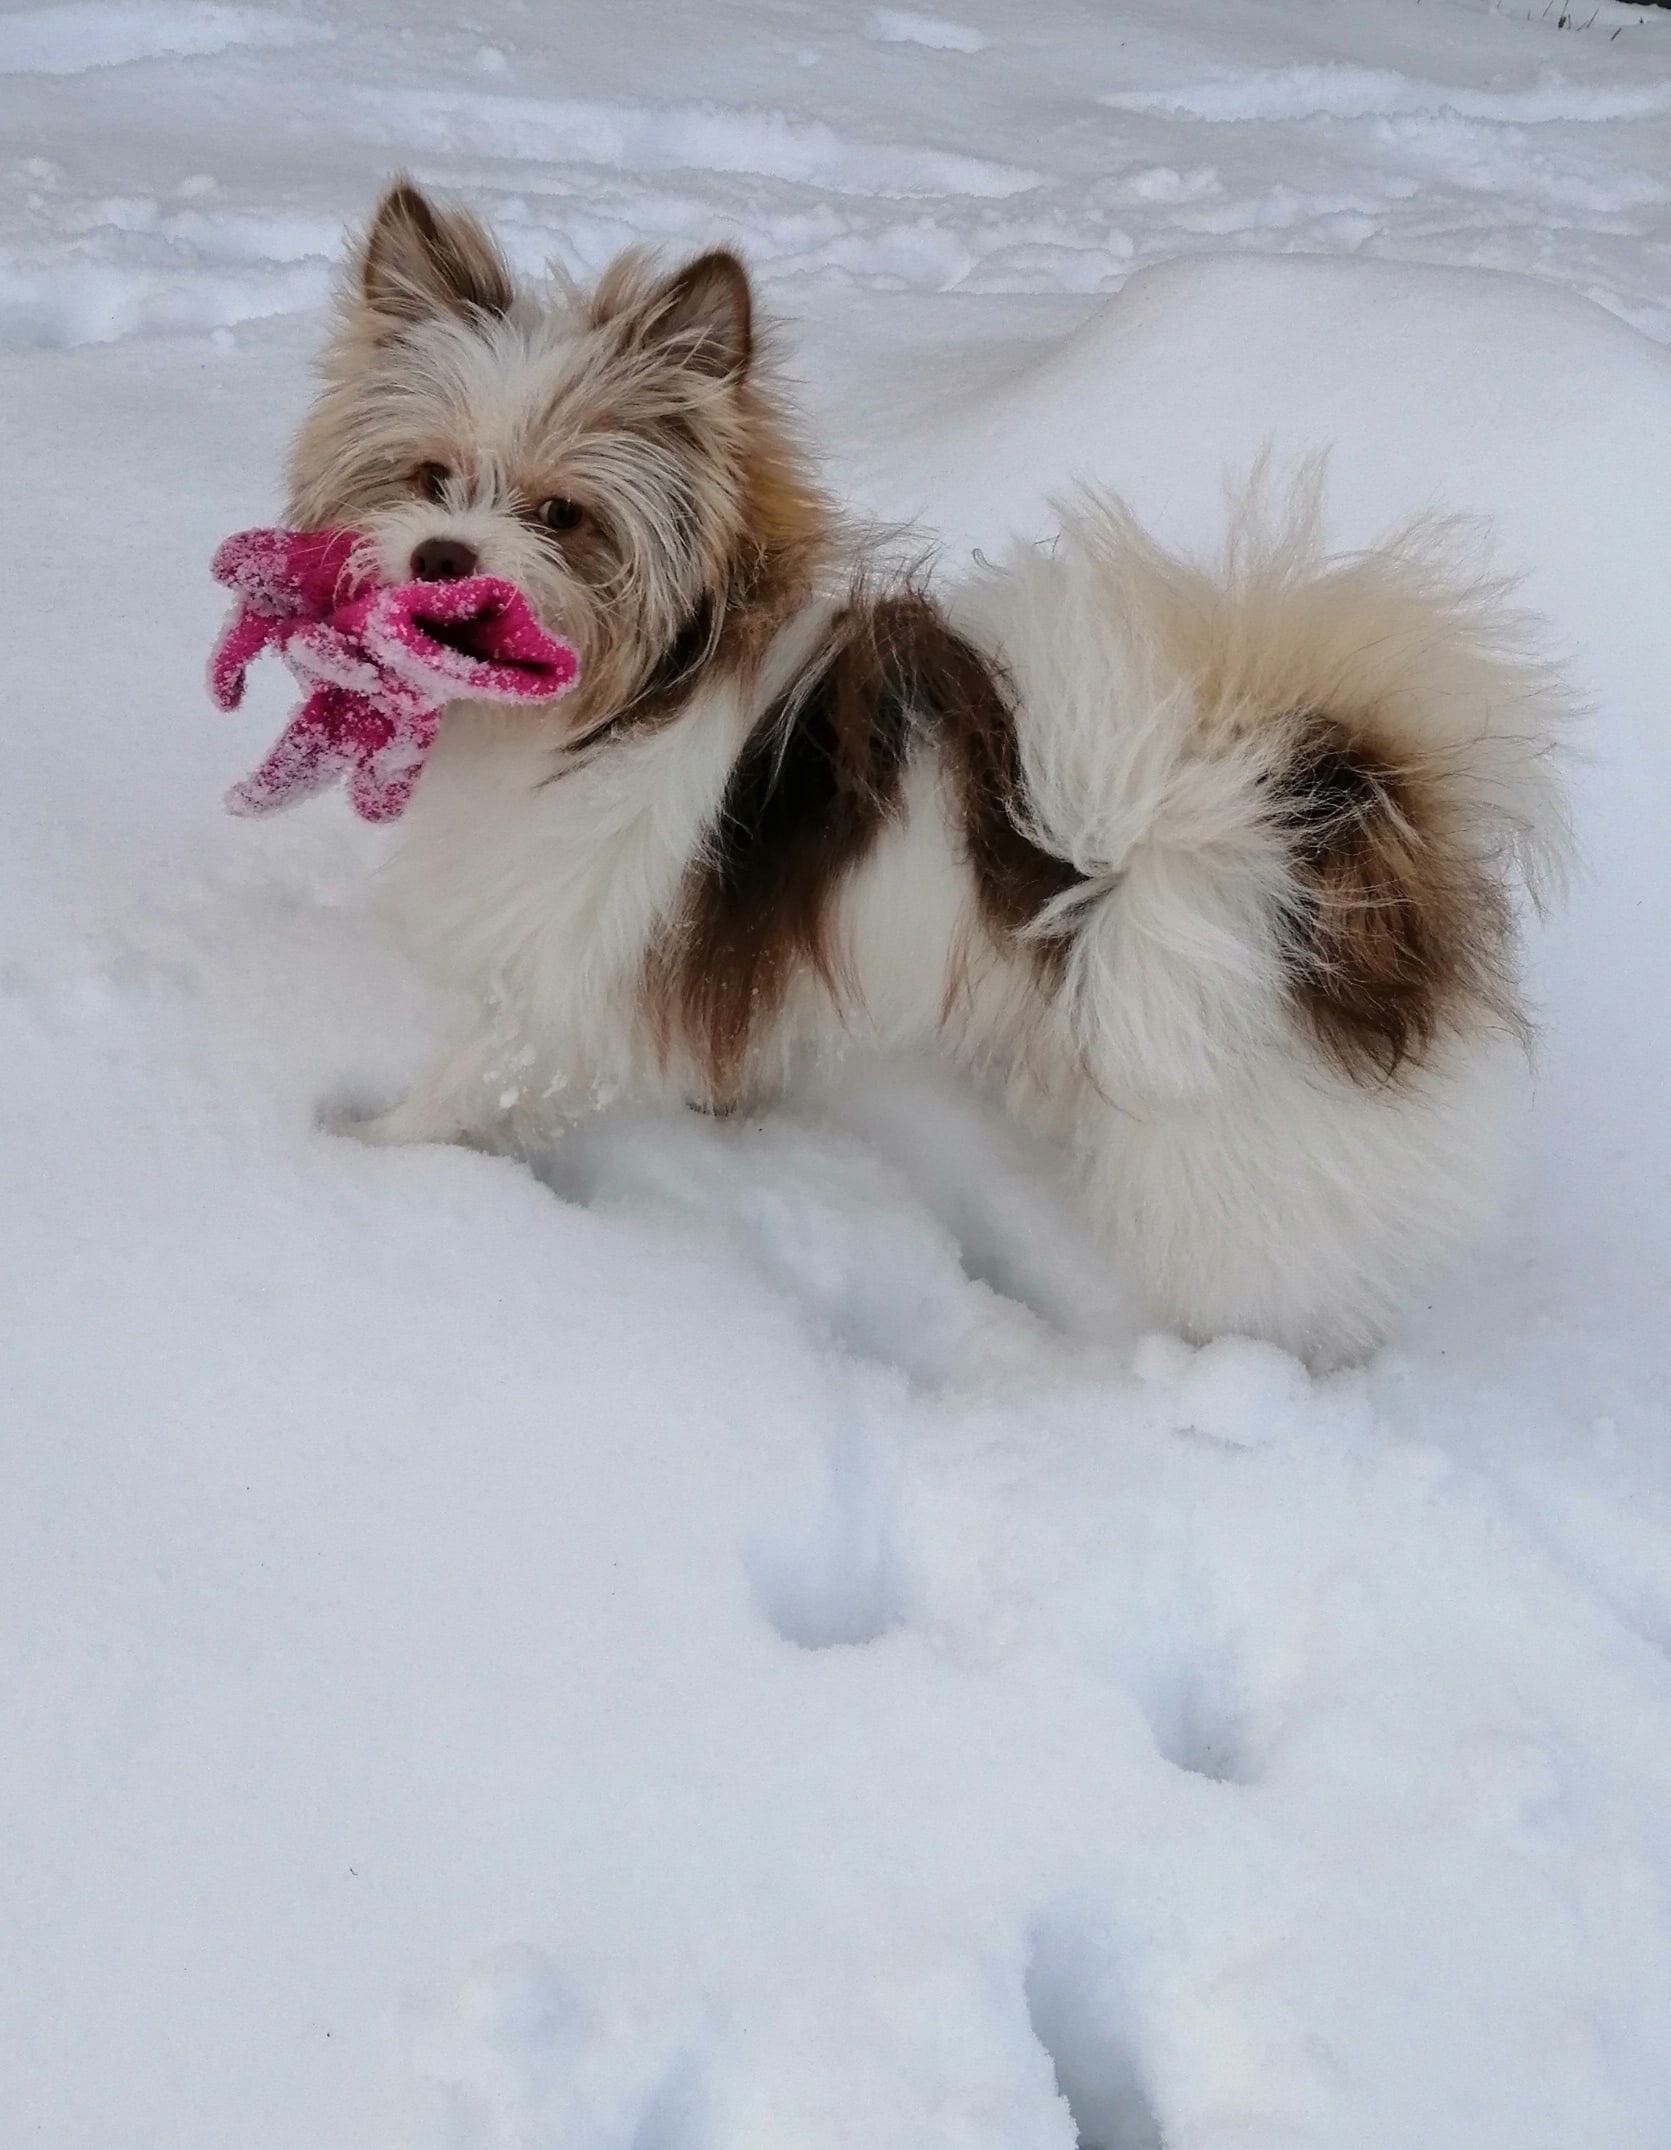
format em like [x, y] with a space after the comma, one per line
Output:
[465, 1096]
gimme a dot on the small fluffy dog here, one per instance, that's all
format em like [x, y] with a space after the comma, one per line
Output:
[1208, 875]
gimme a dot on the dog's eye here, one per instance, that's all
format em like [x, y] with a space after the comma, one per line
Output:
[560, 514]
[431, 480]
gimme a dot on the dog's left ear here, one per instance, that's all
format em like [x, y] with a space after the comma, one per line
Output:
[704, 314]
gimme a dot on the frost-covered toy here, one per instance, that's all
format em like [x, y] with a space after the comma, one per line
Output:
[378, 662]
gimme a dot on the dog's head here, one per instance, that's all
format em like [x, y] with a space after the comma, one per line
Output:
[619, 454]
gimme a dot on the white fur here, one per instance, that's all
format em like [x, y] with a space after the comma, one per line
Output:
[534, 880]
[1251, 1181]
[1255, 1184]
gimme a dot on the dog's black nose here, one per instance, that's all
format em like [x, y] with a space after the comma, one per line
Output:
[442, 560]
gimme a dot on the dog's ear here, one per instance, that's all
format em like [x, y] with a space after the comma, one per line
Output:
[419, 261]
[704, 315]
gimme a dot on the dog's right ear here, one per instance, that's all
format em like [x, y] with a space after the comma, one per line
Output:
[419, 261]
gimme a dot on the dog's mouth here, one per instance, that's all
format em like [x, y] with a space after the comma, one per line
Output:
[479, 637]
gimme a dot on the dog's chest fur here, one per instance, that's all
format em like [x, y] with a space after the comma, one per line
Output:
[702, 908]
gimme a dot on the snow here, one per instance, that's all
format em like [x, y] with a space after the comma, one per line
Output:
[892, 27]
[733, 1638]
[108, 33]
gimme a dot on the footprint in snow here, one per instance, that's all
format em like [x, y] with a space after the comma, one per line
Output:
[508, 2058]
[1193, 1696]
[837, 1576]
[1080, 2000]
[825, 1222]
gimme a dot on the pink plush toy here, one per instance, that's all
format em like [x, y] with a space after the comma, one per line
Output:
[379, 664]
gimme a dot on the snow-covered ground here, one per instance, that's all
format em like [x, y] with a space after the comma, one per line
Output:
[734, 1640]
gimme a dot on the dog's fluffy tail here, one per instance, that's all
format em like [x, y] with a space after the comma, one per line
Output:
[1301, 791]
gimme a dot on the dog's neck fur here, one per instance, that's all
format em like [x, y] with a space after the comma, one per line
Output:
[771, 581]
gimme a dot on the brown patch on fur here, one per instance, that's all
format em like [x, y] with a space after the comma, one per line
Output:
[1015, 880]
[818, 780]
[1400, 929]
[419, 259]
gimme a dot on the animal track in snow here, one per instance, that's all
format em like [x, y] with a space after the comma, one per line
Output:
[1195, 1708]
[1080, 2004]
[829, 1226]
[492, 2054]
[996, 1194]
[868, 1232]
[836, 1578]
[509, 2059]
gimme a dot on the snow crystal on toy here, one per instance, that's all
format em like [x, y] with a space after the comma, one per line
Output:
[379, 663]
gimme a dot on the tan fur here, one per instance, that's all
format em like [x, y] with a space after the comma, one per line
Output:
[649, 405]
[1394, 716]
[418, 258]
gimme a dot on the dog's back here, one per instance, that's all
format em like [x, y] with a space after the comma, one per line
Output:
[1300, 793]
